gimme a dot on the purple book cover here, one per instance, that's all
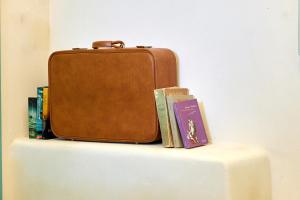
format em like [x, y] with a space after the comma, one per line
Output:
[190, 123]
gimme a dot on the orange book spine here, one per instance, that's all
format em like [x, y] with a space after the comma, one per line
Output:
[45, 104]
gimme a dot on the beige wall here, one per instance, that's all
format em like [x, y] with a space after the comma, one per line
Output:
[25, 49]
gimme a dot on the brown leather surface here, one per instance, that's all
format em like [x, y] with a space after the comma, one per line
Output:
[107, 94]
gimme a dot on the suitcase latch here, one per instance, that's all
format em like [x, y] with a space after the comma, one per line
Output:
[143, 46]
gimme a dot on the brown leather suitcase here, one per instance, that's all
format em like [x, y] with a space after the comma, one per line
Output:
[106, 93]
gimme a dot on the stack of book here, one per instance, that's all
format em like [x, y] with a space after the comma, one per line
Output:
[38, 115]
[180, 120]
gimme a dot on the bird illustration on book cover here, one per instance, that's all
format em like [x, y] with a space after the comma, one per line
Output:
[190, 123]
[191, 133]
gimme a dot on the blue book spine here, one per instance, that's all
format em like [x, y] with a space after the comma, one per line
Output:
[32, 106]
[39, 116]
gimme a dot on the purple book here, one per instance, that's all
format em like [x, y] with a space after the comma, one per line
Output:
[190, 123]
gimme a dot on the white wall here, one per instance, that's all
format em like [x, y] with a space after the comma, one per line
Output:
[239, 57]
[25, 50]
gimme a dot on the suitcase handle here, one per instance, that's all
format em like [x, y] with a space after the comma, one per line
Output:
[112, 44]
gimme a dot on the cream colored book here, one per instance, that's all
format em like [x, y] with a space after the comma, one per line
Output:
[177, 141]
[162, 112]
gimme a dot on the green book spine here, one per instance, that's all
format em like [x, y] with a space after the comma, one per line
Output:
[174, 126]
[163, 117]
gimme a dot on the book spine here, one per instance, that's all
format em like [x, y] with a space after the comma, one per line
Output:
[39, 119]
[163, 117]
[47, 132]
[32, 114]
[45, 104]
[174, 127]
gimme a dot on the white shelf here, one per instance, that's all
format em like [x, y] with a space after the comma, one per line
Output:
[57, 169]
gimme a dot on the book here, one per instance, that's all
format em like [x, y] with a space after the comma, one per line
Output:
[47, 132]
[45, 109]
[39, 111]
[32, 106]
[162, 111]
[177, 141]
[190, 123]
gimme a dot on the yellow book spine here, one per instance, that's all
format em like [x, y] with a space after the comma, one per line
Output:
[45, 104]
